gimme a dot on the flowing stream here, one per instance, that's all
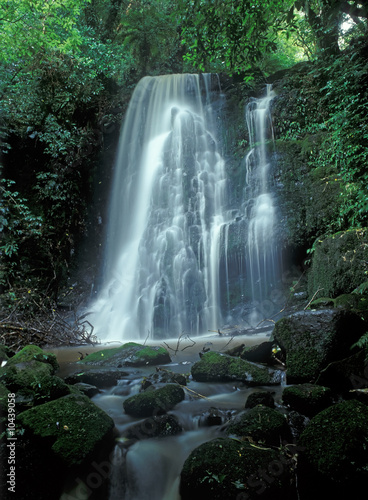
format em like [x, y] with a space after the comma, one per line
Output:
[169, 262]
[150, 467]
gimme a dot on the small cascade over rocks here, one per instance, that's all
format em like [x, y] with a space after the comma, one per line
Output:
[263, 262]
[169, 255]
[252, 254]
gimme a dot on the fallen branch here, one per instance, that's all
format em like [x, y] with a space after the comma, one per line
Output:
[311, 300]
[180, 339]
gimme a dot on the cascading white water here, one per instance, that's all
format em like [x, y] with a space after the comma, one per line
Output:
[262, 259]
[161, 274]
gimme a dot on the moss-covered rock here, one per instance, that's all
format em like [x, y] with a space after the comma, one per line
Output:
[262, 424]
[307, 399]
[229, 468]
[309, 196]
[34, 353]
[310, 340]
[339, 263]
[214, 416]
[130, 354]
[155, 426]
[154, 402]
[260, 398]
[260, 353]
[346, 374]
[33, 382]
[163, 376]
[72, 428]
[335, 446]
[102, 377]
[217, 367]
[87, 389]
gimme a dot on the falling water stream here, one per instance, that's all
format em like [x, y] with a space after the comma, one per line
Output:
[167, 254]
[167, 210]
[263, 257]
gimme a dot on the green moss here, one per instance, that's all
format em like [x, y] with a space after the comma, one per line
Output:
[311, 340]
[229, 468]
[309, 198]
[152, 402]
[338, 265]
[262, 424]
[72, 427]
[336, 441]
[33, 381]
[307, 399]
[102, 355]
[130, 353]
[215, 366]
[33, 352]
[264, 398]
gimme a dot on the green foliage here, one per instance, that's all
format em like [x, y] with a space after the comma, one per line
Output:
[56, 80]
[31, 28]
[21, 230]
[238, 35]
[232, 35]
[326, 116]
[149, 31]
[17, 222]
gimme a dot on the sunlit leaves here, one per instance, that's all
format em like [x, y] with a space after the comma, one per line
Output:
[235, 34]
[27, 28]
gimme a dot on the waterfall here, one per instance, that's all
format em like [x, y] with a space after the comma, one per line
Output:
[262, 256]
[161, 274]
[179, 258]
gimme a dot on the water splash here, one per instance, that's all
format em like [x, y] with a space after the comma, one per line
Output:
[167, 210]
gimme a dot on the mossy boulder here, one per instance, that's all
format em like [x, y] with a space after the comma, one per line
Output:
[214, 416]
[217, 367]
[260, 353]
[87, 389]
[310, 340]
[355, 301]
[130, 354]
[155, 401]
[339, 263]
[335, 450]
[262, 424]
[229, 468]
[33, 382]
[260, 398]
[346, 374]
[155, 426]
[307, 399]
[71, 429]
[163, 376]
[34, 353]
[102, 377]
